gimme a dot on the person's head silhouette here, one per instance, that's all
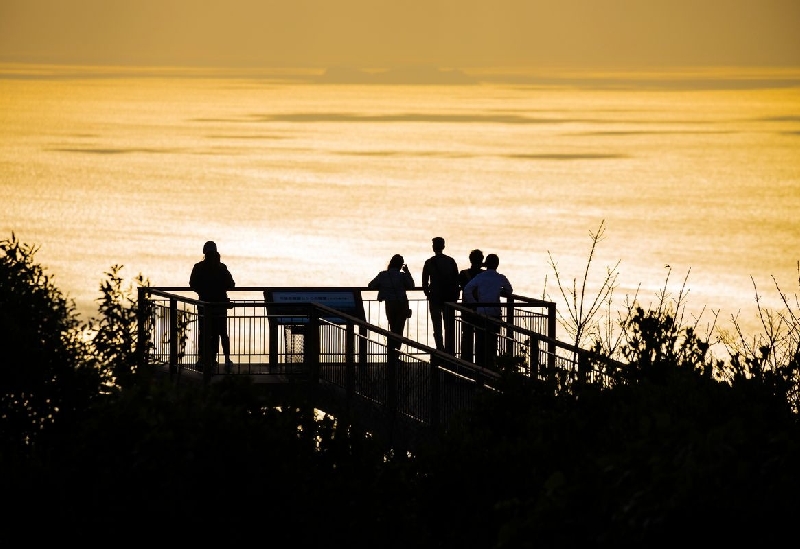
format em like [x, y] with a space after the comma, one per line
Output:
[492, 262]
[476, 258]
[396, 262]
[209, 247]
[438, 244]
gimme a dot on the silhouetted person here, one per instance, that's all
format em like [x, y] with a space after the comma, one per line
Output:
[485, 290]
[468, 321]
[392, 285]
[211, 280]
[440, 284]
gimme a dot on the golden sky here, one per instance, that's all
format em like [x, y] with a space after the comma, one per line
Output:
[390, 33]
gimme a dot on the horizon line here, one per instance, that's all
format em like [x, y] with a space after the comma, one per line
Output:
[679, 77]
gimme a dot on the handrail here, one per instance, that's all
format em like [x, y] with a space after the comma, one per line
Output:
[513, 301]
[508, 324]
[440, 383]
[441, 356]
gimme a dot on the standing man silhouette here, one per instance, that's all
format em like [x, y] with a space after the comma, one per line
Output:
[485, 291]
[440, 284]
[211, 280]
[469, 320]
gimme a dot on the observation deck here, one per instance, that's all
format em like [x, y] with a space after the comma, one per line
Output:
[335, 343]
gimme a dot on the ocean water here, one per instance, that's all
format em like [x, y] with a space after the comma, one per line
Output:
[317, 185]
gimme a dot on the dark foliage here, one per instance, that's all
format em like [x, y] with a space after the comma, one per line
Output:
[649, 464]
[47, 373]
[158, 462]
[666, 457]
[115, 334]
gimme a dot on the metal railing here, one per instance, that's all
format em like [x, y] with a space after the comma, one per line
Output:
[354, 357]
[174, 314]
[407, 379]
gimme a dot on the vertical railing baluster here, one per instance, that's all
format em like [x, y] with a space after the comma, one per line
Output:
[551, 333]
[141, 332]
[534, 357]
[509, 330]
[173, 336]
[392, 356]
[274, 340]
[435, 389]
[349, 357]
[312, 345]
[207, 354]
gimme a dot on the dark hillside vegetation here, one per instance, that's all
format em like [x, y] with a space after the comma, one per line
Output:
[685, 449]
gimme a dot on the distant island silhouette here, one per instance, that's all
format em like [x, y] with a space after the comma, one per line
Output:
[733, 79]
[403, 75]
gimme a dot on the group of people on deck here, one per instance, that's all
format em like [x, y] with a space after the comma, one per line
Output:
[479, 287]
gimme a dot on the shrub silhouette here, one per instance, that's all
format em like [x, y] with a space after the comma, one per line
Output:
[670, 454]
[49, 374]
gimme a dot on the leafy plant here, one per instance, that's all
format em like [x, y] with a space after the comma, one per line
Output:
[49, 374]
[116, 336]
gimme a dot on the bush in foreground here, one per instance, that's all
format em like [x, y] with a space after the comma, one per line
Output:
[675, 454]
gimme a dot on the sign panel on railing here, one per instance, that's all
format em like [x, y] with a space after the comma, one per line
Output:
[287, 304]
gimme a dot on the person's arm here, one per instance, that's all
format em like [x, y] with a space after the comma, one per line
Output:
[469, 289]
[426, 277]
[462, 279]
[193, 279]
[231, 282]
[506, 290]
[408, 280]
[375, 283]
[454, 289]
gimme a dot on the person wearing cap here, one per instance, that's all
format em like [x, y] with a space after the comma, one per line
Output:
[440, 284]
[211, 279]
[485, 290]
